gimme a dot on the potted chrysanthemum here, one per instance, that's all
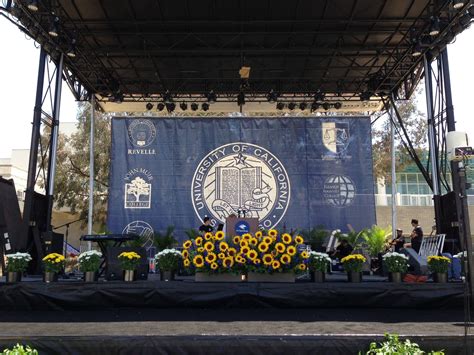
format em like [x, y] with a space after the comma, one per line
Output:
[438, 265]
[129, 261]
[89, 263]
[168, 261]
[396, 264]
[318, 264]
[52, 263]
[353, 266]
[16, 265]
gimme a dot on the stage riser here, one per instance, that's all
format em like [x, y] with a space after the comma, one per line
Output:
[57, 296]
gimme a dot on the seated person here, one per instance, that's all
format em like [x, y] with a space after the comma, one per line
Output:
[416, 236]
[399, 240]
[206, 226]
[343, 249]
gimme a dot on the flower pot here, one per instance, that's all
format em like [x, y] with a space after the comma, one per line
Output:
[166, 275]
[440, 277]
[318, 276]
[275, 277]
[13, 276]
[395, 277]
[354, 276]
[128, 275]
[90, 276]
[205, 277]
[50, 276]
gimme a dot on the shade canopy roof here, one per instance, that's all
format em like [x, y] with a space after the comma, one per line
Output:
[180, 50]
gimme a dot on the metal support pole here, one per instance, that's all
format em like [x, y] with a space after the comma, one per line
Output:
[432, 143]
[91, 172]
[394, 176]
[54, 140]
[35, 138]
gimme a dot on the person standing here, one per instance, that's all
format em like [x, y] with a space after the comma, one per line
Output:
[206, 226]
[416, 236]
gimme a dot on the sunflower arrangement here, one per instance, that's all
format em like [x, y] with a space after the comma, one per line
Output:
[53, 262]
[438, 264]
[353, 262]
[129, 260]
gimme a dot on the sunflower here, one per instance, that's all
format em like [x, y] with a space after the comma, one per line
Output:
[246, 236]
[272, 233]
[304, 254]
[214, 266]
[198, 241]
[187, 244]
[244, 243]
[285, 259]
[219, 235]
[263, 247]
[244, 250]
[208, 236]
[209, 246]
[186, 262]
[257, 261]
[185, 254]
[228, 262]
[240, 259]
[200, 249]
[267, 240]
[223, 246]
[301, 267]
[291, 250]
[211, 257]
[231, 251]
[236, 239]
[276, 264]
[252, 254]
[198, 261]
[267, 259]
[280, 247]
[259, 234]
[299, 239]
[221, 256]
[253, 241]
[286, 238]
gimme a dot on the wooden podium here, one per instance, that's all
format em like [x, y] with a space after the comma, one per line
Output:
[238, 226]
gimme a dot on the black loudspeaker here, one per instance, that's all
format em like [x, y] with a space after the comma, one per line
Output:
[449, 223]
[11, 227]
[113, 270]
[53, 242]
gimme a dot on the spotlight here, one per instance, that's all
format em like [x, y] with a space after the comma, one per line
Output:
[319, 95]
[170, 106]
[326, 106]
[291, 106]
[280, 106]
[241, 99]
[416, 52]
[272, 96]
[54, 29]
[167, 97]
[205, 106]
[71, 52]
[118, 97]
[211, 96]
[337, 105]
[465, 20]
[160, 106]
[33, 5]
[303, 106]
[314, 106]
[183, 106]
[194, 106]
[365, 96]
[457, 4]
[435, 27]
[149, 106]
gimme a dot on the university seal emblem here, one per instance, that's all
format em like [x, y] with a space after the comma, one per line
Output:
[141, 132]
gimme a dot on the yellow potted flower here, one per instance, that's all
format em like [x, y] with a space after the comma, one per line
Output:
[129, 260]
[353, 265]
[438, 265]
[52, 264]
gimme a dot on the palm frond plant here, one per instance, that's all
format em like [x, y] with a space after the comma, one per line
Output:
[192, 233]
[165, 240]
[315, 237]
[355, 239]
[376, 239]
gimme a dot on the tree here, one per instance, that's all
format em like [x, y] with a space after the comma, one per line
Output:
[138, 187]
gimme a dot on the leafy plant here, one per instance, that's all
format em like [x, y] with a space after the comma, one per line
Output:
[393, 345]
[129, 260]
[318, 261]
[353, 262]
[354, 238]
[168, 259]
[375, 239]
[53, 262]
[20, 350]
[89, 261]
[192, 233]
[396, 262]
[315, 237]
[17, 262]
[164, 240]
[438, 264]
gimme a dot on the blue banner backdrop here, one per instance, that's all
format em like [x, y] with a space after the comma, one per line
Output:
[289, 172]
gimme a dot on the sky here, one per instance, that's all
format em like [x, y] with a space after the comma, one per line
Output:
[19, 69]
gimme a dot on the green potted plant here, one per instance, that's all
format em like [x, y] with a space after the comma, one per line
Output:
[168, 261]
[375, 240]
[396, 264]
[353, 266]
[392, 345]
[16, 265]
[438, 265]
[315, 237]
[20, 350]
[318, 264]
[89, 263]
[165, 240]
[52, 264]
[129, 261]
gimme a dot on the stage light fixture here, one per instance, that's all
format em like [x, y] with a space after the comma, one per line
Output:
[205, 106]
[291, 106]
[211, 97]
[167, 97]
[160, 106]
[54, 29]
[272, 96]
[457, 4]
[241, 99]
[33, 5]
[326, 106]
[170, 106]
[314, 106]
[337, 105]
[365, 96]
[280, 106]
[118, 97]
[417, 51]
[319, 95]
[465, 20]
[435, 26]
[303, 106]
[149, 106]
[194, 106]
[183, 106]
[71, 52]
